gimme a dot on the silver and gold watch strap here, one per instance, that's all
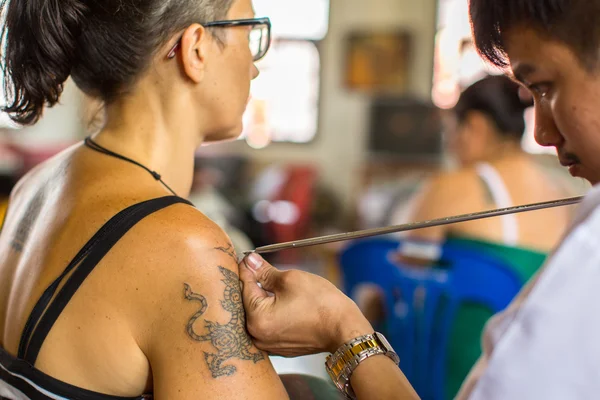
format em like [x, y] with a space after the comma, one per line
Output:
[344, 361]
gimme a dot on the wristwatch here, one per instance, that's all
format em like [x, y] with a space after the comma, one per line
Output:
[341, 364]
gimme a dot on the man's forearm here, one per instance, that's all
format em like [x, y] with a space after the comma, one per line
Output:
[379, 378]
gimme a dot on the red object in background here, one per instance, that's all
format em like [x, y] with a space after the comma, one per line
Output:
[32, 156]
[298, 189]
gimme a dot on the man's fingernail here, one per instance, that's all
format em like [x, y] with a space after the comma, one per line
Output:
[254, 261]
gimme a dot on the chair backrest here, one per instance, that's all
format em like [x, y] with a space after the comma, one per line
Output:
[421, 303]
[475, 277]
[369, 262]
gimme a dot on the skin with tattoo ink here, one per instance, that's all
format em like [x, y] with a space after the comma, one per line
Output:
[26, 224]
[230, 340]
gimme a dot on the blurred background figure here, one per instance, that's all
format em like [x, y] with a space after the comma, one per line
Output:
[483, 133]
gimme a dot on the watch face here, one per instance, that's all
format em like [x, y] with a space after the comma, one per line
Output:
[386, 345]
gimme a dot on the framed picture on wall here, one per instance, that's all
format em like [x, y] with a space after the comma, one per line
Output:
[378, 62]
[405, 129]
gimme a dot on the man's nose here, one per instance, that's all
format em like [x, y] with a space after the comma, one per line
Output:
[546, 133]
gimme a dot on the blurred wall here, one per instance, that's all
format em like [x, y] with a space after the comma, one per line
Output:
[340, 146]
[60, 125]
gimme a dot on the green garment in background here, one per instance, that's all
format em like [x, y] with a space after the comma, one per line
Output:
[467, 329]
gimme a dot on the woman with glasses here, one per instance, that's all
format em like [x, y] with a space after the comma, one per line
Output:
[112, 286]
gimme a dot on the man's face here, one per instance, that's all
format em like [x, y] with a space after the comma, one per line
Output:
[567, 99]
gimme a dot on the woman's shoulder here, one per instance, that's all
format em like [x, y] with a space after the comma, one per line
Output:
[169, 249]
[445, 193]
[454, 182]
[184, 228]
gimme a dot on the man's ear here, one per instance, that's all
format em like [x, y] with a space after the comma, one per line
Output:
[195, 44]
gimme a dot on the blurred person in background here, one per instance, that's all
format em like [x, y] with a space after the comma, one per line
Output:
[484, 136]
[484, 132]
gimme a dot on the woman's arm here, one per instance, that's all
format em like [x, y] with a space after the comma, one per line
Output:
[194, 333]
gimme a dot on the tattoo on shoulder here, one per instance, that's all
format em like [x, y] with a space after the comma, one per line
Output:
[230, 251]
[230, 340]
[29, 218]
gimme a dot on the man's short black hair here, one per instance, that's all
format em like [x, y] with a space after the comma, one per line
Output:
[576, 23]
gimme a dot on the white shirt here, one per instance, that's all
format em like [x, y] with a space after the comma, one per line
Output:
[546, 345]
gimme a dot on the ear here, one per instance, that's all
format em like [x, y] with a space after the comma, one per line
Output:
[195, 44]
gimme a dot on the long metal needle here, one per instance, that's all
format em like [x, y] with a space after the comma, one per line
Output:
[415, 225]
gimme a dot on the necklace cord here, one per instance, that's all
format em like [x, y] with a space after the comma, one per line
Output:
[96, 147]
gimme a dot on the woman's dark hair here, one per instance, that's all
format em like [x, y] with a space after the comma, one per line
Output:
[498, 98]
[103, 44]
[572, 22]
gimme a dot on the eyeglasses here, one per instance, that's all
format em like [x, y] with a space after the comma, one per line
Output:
[259, 37]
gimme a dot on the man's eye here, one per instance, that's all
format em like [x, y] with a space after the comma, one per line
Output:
[540, 89]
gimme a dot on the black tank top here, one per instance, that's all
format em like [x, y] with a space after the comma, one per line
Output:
[19, 379]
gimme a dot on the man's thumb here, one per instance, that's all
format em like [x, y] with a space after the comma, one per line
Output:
[264, 273]
[252, 293]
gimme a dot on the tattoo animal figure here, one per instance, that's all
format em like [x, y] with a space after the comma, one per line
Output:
[231, 340]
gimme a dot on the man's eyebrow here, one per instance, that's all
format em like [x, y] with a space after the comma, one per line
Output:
[522, 71]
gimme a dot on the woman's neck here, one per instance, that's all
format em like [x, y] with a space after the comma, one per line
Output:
[503, 149]
[157, 135]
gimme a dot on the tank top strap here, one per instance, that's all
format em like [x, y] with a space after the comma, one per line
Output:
[501, 197]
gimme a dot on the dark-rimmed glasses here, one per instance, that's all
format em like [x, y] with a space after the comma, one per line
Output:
[259, 37]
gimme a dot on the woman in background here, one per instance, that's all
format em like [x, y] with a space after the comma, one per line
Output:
[484, 135]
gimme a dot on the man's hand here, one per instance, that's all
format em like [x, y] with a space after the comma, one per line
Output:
[296, 313]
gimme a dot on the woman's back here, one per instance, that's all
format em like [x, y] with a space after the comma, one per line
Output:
[105, 338]
[53, 213]
[469, 190]
[524, 182]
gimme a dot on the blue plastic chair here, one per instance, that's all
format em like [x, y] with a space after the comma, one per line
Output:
[369, 261]
[421, 303]
[366, 262]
